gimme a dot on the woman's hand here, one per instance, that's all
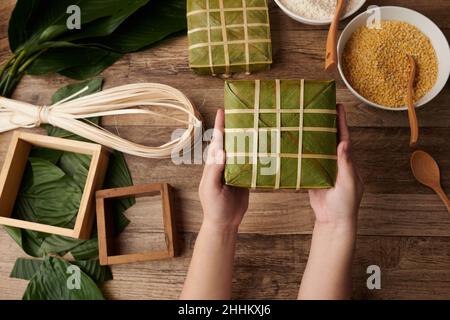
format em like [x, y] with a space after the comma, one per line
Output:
[211, 270]
[223, 206]
[339, 206]
[334, 234]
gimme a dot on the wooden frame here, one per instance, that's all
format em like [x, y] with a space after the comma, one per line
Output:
[14, 168]
[105, 225]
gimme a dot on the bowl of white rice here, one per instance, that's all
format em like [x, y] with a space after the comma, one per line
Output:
[317, 12]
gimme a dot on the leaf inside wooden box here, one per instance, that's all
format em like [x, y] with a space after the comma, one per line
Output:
[48, 195]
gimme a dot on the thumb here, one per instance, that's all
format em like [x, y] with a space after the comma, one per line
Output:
[215, 162]
[345, 164]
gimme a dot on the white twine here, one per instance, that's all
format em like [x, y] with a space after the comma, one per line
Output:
[70, 114]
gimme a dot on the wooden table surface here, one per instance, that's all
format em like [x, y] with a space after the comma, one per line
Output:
[404, 228]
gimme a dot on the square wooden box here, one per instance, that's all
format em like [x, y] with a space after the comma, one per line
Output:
[14, 168]
[105, 225]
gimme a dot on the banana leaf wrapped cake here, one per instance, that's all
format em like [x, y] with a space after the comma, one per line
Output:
[227, 36]
[280, 134]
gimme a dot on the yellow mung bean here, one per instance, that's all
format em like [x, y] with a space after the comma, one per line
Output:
[375, 62]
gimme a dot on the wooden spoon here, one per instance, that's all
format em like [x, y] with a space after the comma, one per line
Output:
[426, 171]
[413, 123]
[331, 57]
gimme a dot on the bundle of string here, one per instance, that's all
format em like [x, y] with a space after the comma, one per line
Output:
[72, 114]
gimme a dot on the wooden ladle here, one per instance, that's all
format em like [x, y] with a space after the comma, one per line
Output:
[426, 171]
[332, 57]
[413, 122]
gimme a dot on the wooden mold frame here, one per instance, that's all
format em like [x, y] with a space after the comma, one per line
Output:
[105, 224]
[13, 170]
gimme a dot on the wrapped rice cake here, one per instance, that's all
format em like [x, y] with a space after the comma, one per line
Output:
[228, 36]
[295, 144]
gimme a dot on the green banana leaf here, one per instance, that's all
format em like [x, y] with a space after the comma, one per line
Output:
[48, 195]
[76, 62]
[50, 155]
[41, 43]
[247, 46]
[119, 11]
[150, 24]
[318, 145]
[26, 268]
[35, 21]
[50, 282]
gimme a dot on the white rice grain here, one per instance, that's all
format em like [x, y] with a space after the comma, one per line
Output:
[317, 9]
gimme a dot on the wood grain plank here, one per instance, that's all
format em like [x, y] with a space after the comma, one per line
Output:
[381, 154]
[400, 212]
[270, 267]
[384, 215]
[207, 101]
[207, 95]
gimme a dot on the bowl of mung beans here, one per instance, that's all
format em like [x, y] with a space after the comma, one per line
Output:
[373, 57]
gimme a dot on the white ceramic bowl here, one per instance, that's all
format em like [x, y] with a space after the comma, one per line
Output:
[315, 22]
[428, 27]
